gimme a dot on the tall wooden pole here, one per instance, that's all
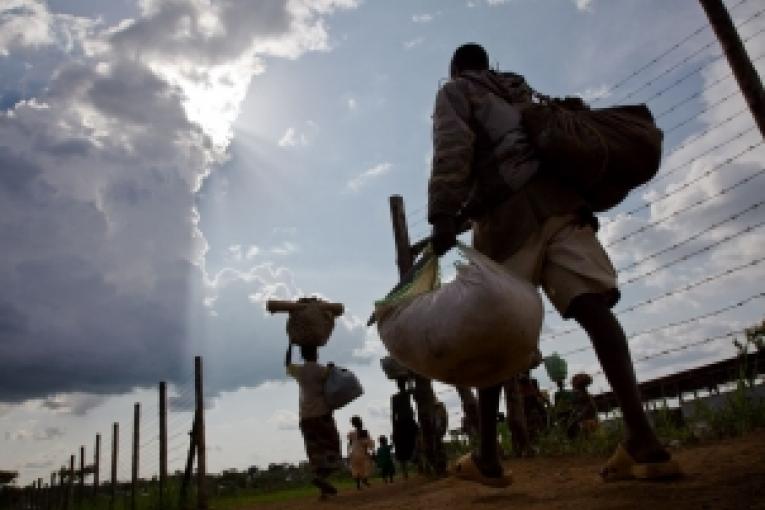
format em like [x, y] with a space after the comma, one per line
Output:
[746, 75]
[200, 430]
[96, 464]
[187, 472]
[70, 482]
[53, 491]
[115, 454]
[81, 491]
[136, 442]
[162, 442]
[424, 396]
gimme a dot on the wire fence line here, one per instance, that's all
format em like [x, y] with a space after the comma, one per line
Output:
[693, 205]
[664, 327]
[620, 83]
[696, 318]
[692, 237]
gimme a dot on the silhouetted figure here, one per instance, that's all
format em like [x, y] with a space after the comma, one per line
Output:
[384, 460]
[533, 406]
[405, 429]
[584, 411]
[537, 226]
[322, 441]
[359, 447]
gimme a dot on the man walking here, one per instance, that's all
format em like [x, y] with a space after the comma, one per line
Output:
[538, 227]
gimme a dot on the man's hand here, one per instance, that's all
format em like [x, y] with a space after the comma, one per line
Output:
[444, 236]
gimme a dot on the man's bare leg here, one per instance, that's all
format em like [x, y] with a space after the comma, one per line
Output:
[487, 457]
[591, 311]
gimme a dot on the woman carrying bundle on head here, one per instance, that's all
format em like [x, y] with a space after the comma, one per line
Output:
[359, 446]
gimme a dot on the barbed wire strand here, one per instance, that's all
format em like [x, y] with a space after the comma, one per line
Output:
[659, 328]
[696, 137]
[671, 325]
[707, 108]
[692, 237]
[690, 286]
[692, 254]
[672, 171]
[686, 60]
[723, 191]
[682, 347]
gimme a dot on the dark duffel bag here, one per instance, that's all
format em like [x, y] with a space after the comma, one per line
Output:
[604, 153]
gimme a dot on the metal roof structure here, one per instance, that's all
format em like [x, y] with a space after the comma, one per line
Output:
[703, 378]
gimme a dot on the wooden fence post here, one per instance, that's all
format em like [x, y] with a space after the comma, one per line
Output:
[746, 75]
[424, 396]
[115, 453]
[189, 466]
[200, 433]
[162, 442]
[81, 483]
[52, 495]
[136, 439]
[96, 464]
[70, 482]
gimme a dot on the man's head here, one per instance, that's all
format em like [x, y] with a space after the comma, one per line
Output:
[468, 57]
[309, 352]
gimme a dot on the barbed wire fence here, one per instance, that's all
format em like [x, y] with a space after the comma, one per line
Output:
[712, 132]
[148, 452]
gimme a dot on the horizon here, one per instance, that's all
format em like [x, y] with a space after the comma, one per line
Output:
[166, 168]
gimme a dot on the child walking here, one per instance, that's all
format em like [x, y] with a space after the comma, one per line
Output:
[384, 460]
[359, 446]
[322, 441]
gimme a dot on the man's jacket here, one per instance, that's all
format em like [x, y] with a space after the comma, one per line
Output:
[484, 164]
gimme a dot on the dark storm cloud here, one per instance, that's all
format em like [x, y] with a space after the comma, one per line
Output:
[102, 279]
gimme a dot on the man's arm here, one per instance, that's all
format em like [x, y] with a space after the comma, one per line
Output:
[453, 143]
[449, 185]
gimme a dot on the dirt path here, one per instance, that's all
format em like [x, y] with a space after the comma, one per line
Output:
[728, 474]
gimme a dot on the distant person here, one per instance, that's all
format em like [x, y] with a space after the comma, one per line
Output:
[322, 441]
[360, 446]
[533, 406]
[584, 417]
[405, 429]
[384, 460]
[537, 226]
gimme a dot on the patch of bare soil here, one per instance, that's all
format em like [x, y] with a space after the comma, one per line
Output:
[726, 474]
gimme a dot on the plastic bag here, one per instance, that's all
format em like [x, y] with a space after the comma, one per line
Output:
[341, 387]
[478, 330]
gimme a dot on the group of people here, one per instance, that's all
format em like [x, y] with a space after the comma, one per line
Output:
[537, 225]
[363, 458]
[322, 439]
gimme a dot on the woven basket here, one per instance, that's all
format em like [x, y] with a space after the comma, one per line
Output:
[310, 326]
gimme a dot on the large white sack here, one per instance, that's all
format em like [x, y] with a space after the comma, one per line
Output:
[478, 330]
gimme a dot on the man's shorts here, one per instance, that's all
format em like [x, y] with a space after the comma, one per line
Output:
[566, 260]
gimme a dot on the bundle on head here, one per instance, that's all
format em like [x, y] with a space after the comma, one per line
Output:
[581, 381]
[310, 325]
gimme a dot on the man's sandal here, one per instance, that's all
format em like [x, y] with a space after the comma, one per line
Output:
[466, 469]
[621, 466]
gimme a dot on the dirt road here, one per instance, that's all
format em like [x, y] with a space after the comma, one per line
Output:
[727, 474]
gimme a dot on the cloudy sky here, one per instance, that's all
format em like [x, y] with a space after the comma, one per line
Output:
[166, 166]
